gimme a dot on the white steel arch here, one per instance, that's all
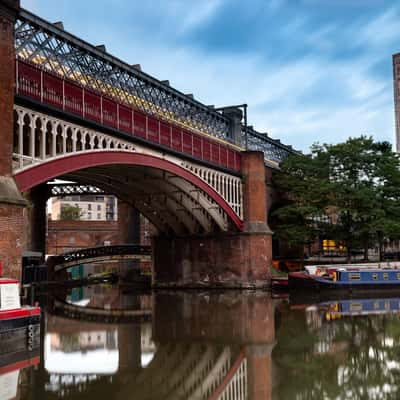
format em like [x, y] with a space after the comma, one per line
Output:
[40, 138]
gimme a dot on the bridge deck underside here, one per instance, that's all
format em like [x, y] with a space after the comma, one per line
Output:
[172, 204]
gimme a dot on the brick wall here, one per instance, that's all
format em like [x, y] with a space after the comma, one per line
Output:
[7, 57]
[69, 235]
[12, 239]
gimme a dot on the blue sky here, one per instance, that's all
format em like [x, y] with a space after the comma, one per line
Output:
[310, 70]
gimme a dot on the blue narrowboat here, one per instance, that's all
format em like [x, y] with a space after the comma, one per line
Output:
[354, 307]
[346, 278]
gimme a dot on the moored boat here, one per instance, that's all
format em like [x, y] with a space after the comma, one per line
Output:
[359, 277]
[280, 283]
[16, 323]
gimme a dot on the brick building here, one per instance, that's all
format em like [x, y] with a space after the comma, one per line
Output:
[396, 86]
[64, 236]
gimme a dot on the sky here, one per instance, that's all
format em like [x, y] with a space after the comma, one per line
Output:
[309, 70]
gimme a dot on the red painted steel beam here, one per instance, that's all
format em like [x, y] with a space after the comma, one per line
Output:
[48, 170]
[48, 88]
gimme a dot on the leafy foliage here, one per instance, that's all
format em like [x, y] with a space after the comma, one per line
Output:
[70, 213]
[348, 192]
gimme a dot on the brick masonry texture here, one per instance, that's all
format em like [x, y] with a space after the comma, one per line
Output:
[240, 260]
[236, 259]
[13, 218]
[66, 236]
[7, 57]
[12, 239]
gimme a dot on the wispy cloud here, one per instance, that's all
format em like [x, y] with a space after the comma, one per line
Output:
[308, 74]
[198, 14]
[382, 30]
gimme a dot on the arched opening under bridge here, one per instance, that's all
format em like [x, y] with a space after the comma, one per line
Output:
[174, 199]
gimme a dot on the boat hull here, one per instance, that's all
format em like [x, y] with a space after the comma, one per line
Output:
[301, 281]
[19, 329]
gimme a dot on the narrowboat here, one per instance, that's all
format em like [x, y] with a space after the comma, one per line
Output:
[364, 306]
[346, 278]
[17, 324]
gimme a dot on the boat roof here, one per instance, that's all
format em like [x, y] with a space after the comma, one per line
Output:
[381, 265]
[4, 281]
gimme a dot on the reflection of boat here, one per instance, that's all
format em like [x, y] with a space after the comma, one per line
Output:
[10, 366]
[16, 322]
[348, 278]
[353, 307]
[279, 284]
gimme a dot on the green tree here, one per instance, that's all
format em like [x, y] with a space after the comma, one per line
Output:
[70, 213]
[349, 192]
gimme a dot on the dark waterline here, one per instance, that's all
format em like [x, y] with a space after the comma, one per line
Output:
[109, 342]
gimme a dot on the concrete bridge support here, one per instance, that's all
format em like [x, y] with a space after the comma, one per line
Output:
[12, 211]
[233, 259]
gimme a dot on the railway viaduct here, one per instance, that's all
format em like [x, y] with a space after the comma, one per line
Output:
[70, 110]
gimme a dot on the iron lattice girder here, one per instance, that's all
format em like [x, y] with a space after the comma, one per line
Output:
[60, 52]
[273, 149]
[43, 43]
[74, 190]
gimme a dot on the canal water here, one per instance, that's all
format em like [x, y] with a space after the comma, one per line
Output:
[112, 342]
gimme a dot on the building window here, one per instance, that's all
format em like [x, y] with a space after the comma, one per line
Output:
[356, 307]
[385, 276]
[354, 276]
[98, 216]
[89, 207]
[89, 216]
[98, 207]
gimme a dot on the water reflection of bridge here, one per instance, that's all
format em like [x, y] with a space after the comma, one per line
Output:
[210, 346]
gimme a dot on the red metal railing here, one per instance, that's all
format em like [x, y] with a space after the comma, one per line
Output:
[66, 95]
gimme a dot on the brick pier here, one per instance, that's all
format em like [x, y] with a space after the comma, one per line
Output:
[233, 259]
[12, 205]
